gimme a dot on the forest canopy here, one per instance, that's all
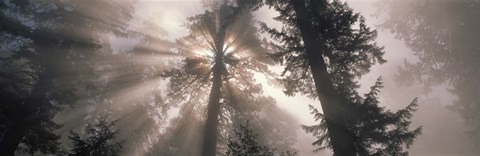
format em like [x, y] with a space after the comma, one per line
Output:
[227, 77]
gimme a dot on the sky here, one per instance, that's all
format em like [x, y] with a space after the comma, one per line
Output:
[432, 114]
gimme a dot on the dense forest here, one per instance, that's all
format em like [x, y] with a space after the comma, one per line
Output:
[239, 77]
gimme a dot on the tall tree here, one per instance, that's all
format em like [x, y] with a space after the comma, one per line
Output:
[220, 56]
[377, 131]
[325, 46]
[444, 36]
[50, 40]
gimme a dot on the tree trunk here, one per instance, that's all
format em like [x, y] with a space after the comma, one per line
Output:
[333, 109]
[213, 110]
[210, 138]
[28, 117]
[12, 138]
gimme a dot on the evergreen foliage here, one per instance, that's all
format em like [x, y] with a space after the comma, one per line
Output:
[55, 55]
[444, 36]
[215, 79]
[244, 142]
[346, 42]
[325, 46]
[97, 139]
[377, 131]
[47, 47]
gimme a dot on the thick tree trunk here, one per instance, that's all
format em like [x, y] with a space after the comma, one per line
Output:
[12, 139]
[210, 138]
[333, 109]
[28, 117]
[213, 110]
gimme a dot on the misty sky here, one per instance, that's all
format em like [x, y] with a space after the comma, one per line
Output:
[432, 115]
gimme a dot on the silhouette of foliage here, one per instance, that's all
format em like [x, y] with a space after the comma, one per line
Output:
[244, 142]
[348, 46]
[220, 56]
[377, 131]
[444, 36]
[46, 52]
[97, 140]
[324, 46]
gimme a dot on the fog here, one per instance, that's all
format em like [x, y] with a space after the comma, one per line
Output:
[443, 130]
[157, 112]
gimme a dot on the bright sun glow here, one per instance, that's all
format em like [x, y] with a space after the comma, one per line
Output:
[228, 49]
[204, 53]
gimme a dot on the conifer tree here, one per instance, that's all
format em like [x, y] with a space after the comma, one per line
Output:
[244, 143]
[48, 44]
[444, 36]
[220, 56]
[377, 131]
[97, 139]
[325, 46]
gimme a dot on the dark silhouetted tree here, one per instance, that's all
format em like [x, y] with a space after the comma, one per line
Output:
[444, 36]
[97, 139]
[325, 47]
[220, 56]
[377, 131]
[47, 44]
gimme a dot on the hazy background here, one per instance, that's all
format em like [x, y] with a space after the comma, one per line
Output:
[443, 130]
